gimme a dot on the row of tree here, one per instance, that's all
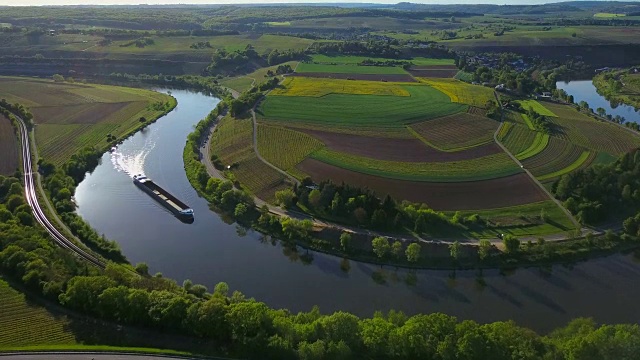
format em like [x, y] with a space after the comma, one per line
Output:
[244, 327]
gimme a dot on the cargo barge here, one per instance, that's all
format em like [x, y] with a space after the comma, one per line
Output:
[177, 207]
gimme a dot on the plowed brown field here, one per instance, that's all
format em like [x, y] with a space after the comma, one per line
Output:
[488, 194]
[8, 148]
[406, 150]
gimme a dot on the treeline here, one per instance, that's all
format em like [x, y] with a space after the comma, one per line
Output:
[242, 61]
[8, 110]
[60, 184]
[371, 48]
[600, 193]
[243, 327]
[363, 207]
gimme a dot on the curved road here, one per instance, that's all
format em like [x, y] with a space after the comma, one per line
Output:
[31, 196]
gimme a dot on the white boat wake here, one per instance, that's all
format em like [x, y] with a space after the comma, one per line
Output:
[131, 164]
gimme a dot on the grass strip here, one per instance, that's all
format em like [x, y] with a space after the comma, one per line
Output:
[539, 144]
[576, 164]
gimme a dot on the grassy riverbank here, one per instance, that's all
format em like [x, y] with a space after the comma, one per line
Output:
[620, 86]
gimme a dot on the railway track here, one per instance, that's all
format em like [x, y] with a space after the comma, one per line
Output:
[32, 199]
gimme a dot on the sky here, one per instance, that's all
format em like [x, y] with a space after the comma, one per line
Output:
[163, 2]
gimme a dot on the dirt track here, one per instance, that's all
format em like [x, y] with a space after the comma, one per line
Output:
[408, 150]
[509, 191]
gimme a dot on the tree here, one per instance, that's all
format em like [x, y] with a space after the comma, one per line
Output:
[314, 198]
[345, 241]
[511, 244]
[380, 246]
[454, 250]
[58, 78]
[285, 198]
[240, 210]
[413, 252]
[396, 249]
[484, 248]
[601, 111]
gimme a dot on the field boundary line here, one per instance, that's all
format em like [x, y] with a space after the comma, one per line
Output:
[428, 143]
[535, 180]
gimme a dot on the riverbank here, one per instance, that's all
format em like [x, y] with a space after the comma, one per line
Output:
[620, 87]
[325, 238]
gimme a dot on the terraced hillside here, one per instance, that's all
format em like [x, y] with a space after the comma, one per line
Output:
[412, 141]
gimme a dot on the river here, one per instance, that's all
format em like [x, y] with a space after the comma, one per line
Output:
[211, 250]
[584, 90]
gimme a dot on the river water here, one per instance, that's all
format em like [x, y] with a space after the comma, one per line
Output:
[584, 90]
[211, 250]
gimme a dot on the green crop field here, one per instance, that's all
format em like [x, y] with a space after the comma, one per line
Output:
[232, 142]
[537, 107]
[488, 167]
[517, 138]
[461, 92]
[24, 324]
[523, 220]
[457, 132]
[345, 60]
[539, 143]
[350, 69]
[285, 148]
[585, 158]
[354, 113]
[608, 15]
[182, 44]
[558, 158]
[73, 116]
[587, 132]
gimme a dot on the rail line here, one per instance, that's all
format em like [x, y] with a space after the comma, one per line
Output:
[32, 199]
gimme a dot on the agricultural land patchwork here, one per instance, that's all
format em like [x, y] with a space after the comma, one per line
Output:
[71, 116]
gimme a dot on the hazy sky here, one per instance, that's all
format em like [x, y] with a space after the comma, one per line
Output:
[133, 2]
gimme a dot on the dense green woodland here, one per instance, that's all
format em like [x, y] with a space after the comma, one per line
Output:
[604, 192]
[245, 327]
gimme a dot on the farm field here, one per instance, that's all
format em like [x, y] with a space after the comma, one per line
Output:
[558, 158]
[360, 113]
[508, 191]
[25, 324]
[9, 148]
[537, 107]
[435, 72]
[587, 132]
[538, 145]
[404, 78]
[301, 86]
[349, 69]
[418, 61]
[461, 92]
[456, 132]
[396, 149]
[182, 44]
[484, 168]
[232, 142]
[285, 148]
[72, 116]
[516, 137]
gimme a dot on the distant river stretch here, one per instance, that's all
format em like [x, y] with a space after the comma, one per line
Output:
[211, 250]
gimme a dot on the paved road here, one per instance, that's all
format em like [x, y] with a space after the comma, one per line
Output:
[31, 196]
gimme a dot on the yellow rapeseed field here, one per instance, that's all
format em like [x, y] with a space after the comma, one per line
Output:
[461, 92]
[301, 86]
